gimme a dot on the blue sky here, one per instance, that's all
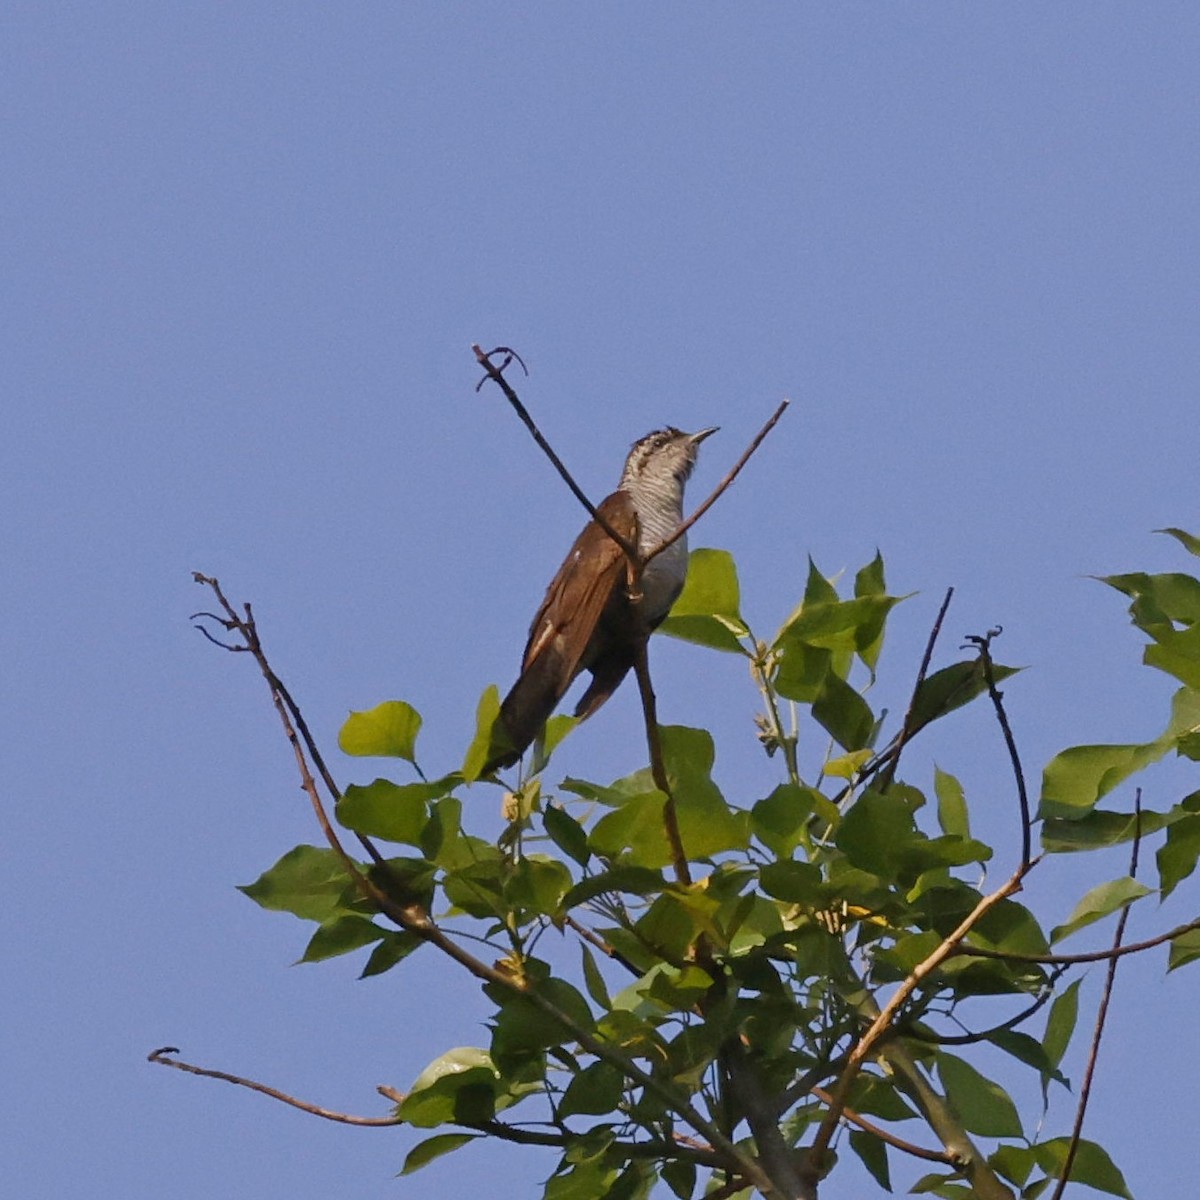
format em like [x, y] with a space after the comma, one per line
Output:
[247, 249]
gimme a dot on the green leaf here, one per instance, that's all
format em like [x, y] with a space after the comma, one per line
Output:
[537, 885]
[1028, 1050]
[1014, 1163]
[1060, 1024]
[707, 609]
[595, 1091]
[952, 804]
[625, 880]
[1188, 541]
[593, 980]
[341, 935]
[459, 1085]
[982, 1106]
[566, 833]
[393, 812]
[425, 1152]
[1092, 1166]
[707, 824]
[1177, 856]
[556, 729]
[951, 688]
[483, 744]
[307, 881]
[1184, 949]
[873, 1154]
[392, 949]
[792, 881]
[1097, 829]
[679, 1174]
[873, 832]
[848, 625]
[843, 713]
[388, 730]
[1098, 903]
[780, 821]
[869, 580]
[1159, 600]
[1074, 780]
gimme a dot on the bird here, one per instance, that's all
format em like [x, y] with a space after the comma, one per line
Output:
[587, 621]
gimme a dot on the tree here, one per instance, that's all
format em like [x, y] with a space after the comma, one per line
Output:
[804, 964]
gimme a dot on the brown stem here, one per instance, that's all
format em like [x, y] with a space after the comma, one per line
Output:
[658, 769]
[985, 658]
[906, 730]
[160, 1056]
[496, 374]
[1085, 1088]
[883, 1135]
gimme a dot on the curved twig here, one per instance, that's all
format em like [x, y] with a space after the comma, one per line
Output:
[160, 1056]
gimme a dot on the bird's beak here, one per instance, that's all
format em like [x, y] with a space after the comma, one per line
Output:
[697, 438]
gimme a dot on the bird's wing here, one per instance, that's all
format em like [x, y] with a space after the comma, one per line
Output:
[595, 565]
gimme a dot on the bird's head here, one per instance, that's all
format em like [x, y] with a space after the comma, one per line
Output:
[662, 455]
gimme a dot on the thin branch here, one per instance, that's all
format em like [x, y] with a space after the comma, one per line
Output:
[717, 492]
[985, 657]
[967, 1039]
[1088, 957]
[160, 1056]
[855, 1118]
[593, 938]
[906, 729]
[496, 374]
[1085, 1087]
[658, 769]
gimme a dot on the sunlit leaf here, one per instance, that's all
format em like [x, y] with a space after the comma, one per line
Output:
[458, 1085]
[393, 812]
[483, 745]
[340, 935]
[952, 804]
[308, 881]
[1098, 903]
[1188, 541]
[1075, 779]
[1092, 1166]
[1177, 856]
[387, 730]
[1184, 949]
[707, 609]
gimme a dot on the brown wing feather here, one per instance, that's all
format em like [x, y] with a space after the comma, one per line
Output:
[576, 598]
[562, 629]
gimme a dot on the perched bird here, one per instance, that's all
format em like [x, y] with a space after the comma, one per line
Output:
[586, 621]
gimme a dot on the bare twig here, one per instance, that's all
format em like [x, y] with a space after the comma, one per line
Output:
[855, 1118]
[983, 644]
[719, 490]
[968, 1039]
[160, 1056]
[496, 374]
[1087, 957]
[906, 729]
[1085, 1087]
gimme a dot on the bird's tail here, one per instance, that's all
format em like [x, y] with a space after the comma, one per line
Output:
[526, 708]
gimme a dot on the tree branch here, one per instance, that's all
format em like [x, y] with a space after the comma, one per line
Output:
[1085, 1087]
[160, 1056]
[985, 657]
[496, 374]
[906, 730]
